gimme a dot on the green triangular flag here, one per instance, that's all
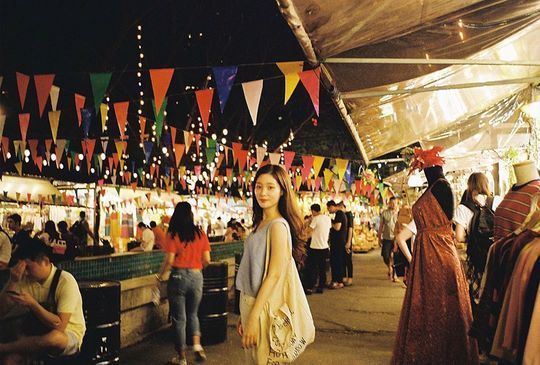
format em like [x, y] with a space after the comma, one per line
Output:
[66, 147]
[73, 154]
[160, 116]
[117, 187]
[100, 82]
[210, 150]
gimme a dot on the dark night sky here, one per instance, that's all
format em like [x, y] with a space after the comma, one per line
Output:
[73, 38]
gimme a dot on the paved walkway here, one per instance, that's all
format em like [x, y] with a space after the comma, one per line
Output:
[355, 325]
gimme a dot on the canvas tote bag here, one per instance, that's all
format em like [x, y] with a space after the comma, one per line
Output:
[286, 323]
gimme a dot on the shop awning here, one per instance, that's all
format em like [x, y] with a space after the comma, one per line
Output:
[388, 105]
[17, 188]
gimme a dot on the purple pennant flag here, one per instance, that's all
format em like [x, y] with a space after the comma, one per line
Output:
[148, 146]
[348, 175]
[224, 81]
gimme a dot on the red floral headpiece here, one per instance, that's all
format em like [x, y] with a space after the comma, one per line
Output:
[423, 159]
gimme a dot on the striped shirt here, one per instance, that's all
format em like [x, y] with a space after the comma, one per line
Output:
[513, 210]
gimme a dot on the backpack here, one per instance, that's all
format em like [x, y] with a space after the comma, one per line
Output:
[78, 231]
[480, 237]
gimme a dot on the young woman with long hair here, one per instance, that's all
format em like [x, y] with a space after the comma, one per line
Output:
[187, 251]
[276, 218]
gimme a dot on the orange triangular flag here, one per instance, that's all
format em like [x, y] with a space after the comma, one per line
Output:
[54, 121]
[204, 100]
[142, 124]
[39, 163]
[237, 147]
[188, 138]
[5, 146]
[121, 110]
[43, 88]
[24, 122]
[22, 85]
[179, 152]
[173, 135]
[79, 104]
[160, 78]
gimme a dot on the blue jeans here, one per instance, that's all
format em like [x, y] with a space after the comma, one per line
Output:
[184, 290]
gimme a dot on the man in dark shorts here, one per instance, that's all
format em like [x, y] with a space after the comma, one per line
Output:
[388, 221]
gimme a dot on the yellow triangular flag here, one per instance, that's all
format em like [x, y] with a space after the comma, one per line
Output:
[317, 164]
[103, 108]
[55, 91]
[298, 182]
[54, 121]
[122, 165]
[291, 71]
[18, 166]
[341, 167]
[328, 174]
[119, 148]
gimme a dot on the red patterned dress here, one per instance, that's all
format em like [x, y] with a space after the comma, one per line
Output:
[436, 313]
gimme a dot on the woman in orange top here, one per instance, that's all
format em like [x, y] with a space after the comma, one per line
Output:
[187, 251]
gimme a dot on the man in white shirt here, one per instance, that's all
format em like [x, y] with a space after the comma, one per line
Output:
[43, 304]
[147, 239]
[219, 229]
[5, 250]
[318, 249]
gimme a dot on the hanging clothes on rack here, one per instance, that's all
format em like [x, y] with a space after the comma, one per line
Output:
[505, 321]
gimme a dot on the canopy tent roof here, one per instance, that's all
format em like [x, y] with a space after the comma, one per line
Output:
[386, 104]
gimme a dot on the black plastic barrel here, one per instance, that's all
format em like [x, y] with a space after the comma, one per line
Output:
[101, 307]
[237, 260]
[213, 308]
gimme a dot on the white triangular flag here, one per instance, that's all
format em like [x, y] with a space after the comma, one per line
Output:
[274, 158]
[252, 93]
[261, 151]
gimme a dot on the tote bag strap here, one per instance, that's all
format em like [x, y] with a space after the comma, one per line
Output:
[267, 255]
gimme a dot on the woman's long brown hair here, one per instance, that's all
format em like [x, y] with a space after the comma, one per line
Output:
[287, 208]
[477, 182]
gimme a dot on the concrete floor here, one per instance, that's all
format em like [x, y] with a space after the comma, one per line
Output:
[355, 325]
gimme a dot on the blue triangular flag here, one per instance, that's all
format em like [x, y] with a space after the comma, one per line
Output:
[224, 81]
[86, 114]
[148, 146]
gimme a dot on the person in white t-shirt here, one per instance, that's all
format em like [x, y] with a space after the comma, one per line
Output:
[476, 196]
[5, 250]
[148, 238]
[318, 249]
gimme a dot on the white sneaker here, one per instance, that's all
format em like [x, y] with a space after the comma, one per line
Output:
[178, 361]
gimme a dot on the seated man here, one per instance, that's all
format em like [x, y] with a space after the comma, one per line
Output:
[46, 308]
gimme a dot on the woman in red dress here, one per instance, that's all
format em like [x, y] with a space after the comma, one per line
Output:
[436, 314]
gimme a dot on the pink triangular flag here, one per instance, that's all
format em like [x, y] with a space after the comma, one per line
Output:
[24, 122]
[288, 157]
[204, 100]
[308, 164]
[311, 81]
[121, 110]
[22, 85]
[79, 104]
[43, 88]
[252, 93]
[274, 158]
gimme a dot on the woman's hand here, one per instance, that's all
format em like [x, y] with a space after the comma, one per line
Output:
[24, 299]
[239, 328]
[249, 337]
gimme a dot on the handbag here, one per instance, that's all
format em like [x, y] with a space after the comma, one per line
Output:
[286, 324]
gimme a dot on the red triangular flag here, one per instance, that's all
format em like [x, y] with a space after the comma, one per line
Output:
[79, 104]
[204, 100]
[39, 163]
[32, 144]
[242, 159]
[308, 164]
[90, 145]
[24, 122]
[121, 110]
[43, 88]
[311, 81]
[237, 147]
[22, 85]
[5, 146]
[160, 78]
